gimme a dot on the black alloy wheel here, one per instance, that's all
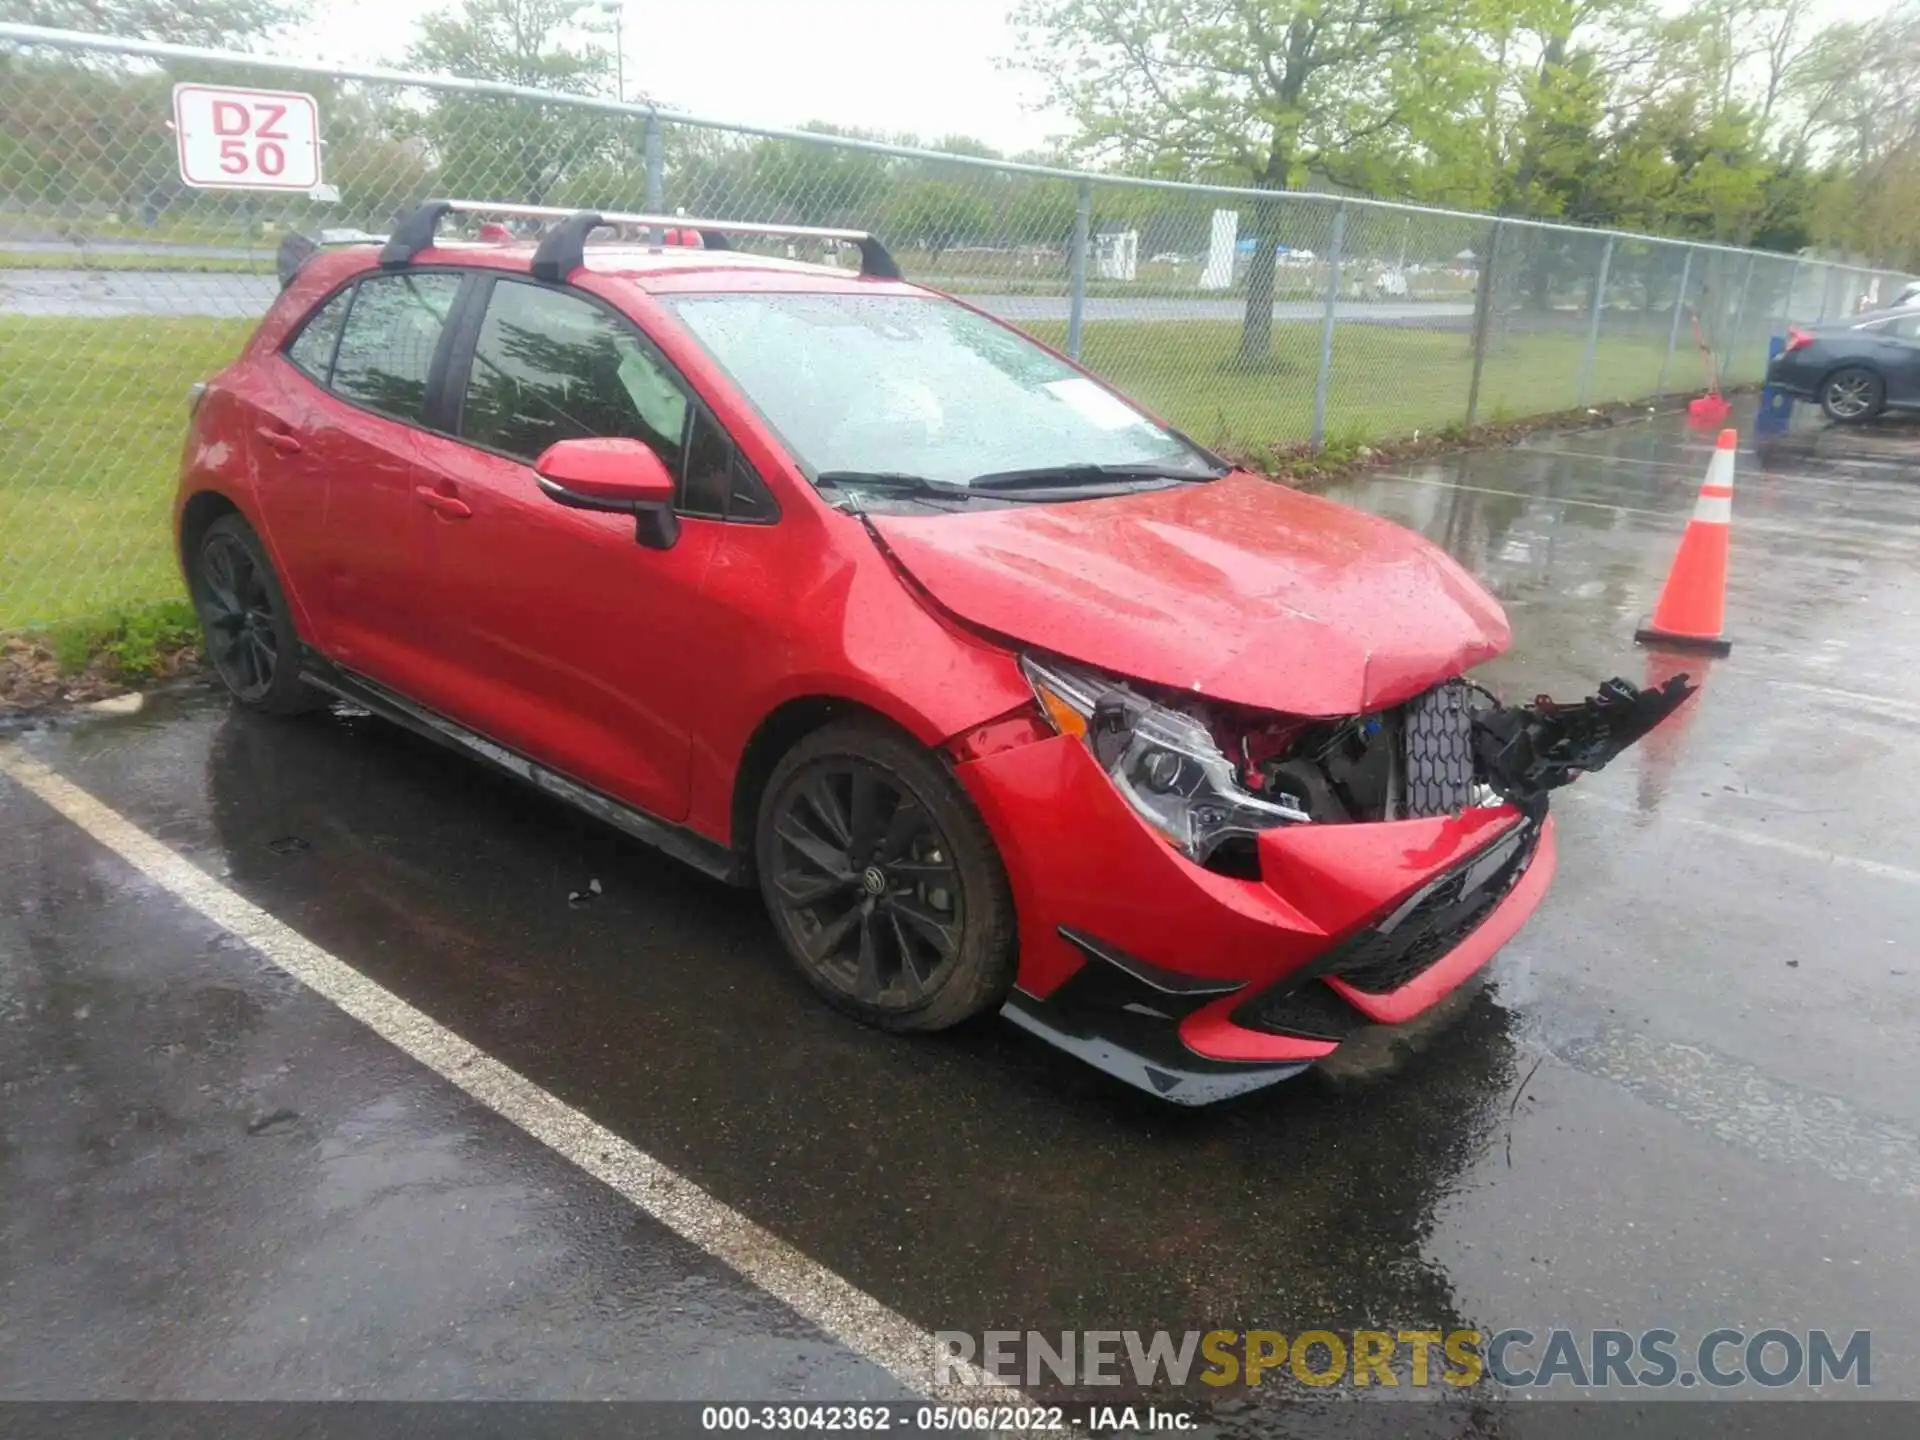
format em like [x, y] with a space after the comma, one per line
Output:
[883, 882]
[245, 623]
[237, 614]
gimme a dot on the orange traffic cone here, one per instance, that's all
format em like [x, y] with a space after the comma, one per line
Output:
[1693, 604]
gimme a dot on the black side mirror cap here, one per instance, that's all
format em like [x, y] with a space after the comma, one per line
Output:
[655, 527]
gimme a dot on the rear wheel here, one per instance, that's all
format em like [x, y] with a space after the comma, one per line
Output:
[883, 882]
[245, 621]
[1852, 394]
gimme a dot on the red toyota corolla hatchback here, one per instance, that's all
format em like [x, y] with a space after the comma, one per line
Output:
[1004, 694]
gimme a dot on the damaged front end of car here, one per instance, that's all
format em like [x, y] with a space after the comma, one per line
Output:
[1211, 776]
[1362, 868]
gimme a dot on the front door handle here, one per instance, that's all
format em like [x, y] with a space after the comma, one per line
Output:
[447, 505]
[279, 439]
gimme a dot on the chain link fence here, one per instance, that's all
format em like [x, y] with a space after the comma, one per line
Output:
[1247, 318]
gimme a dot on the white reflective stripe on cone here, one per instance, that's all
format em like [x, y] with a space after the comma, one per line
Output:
[1713, 510]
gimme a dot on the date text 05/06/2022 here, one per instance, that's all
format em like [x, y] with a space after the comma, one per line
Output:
[944, 1419]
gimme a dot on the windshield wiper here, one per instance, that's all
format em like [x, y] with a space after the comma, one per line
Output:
[894, 481]
[1048, 483]
[1085, 474]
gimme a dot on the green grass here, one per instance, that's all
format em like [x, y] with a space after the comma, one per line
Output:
[92, 416]
[80, 258]
[133, 644]
[1387, 381]
[93, 412]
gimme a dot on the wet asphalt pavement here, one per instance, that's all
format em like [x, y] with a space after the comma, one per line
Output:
[1684, 1097]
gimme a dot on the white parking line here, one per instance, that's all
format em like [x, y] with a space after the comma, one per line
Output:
[1890, 707]
[849, 1315]
[1520, 494]
[1834, 858]
[1751, 465]
[1861, 534]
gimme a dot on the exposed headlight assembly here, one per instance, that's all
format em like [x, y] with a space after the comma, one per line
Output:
[1165, 763]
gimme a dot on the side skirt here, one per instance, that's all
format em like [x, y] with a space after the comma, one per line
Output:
[688, 846]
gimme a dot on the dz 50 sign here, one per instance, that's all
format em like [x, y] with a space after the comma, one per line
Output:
[247, 139]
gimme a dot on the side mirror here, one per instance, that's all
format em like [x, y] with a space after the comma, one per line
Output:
[617, 475]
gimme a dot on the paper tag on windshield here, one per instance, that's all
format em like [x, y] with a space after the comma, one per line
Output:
[1093, 403]
[659, 402]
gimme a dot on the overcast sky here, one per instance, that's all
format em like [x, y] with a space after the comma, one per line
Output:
[893, 65]
[925, 66]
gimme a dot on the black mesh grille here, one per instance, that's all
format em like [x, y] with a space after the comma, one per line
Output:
[1438, 745]
[1311, 1011]
[1386, 956]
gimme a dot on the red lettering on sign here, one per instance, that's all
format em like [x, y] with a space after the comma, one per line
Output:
[230, 119]
[264, 126]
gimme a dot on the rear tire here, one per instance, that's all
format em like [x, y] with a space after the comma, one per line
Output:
[1851, 395]
[883, 882]
[245, 621]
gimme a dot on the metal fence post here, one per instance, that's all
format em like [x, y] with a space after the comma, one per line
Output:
[1077, 267]
[656, 167]
[1334, 244]
[1740, 321]
[1483, 319]
[1593, 325]
[1673, 330]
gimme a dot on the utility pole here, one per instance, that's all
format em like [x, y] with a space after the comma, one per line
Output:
[617, 9]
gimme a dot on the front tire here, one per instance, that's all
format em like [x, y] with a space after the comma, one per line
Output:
[883, 882]
[245, 622]
[1852, 395]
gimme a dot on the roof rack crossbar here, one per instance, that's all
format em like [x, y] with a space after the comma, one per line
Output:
[561, 249]
[413, 234]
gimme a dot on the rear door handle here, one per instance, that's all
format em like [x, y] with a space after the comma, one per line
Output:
[447, 505]
[279, 439]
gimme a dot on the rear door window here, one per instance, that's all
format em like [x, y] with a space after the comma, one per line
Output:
[387, 344]
[312, 348]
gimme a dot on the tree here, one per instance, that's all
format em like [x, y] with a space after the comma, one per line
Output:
[519, 42]
[1857, 95]
[1260, 92]
[379, 168]
[802, 182]
[496, 148]
[77, 135]
[935, 215]
[1747, 53]
[222, 24]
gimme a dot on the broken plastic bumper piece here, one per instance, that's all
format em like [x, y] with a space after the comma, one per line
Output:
[1525, 751]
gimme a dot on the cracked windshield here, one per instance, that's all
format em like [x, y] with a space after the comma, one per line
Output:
[904, 384]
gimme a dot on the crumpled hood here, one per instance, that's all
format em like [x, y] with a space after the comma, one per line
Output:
[1243, 590]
